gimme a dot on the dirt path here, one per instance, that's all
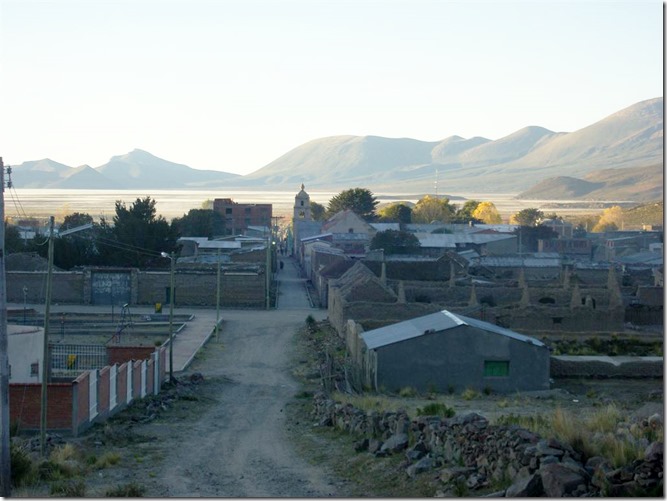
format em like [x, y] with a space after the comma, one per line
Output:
[238, 447]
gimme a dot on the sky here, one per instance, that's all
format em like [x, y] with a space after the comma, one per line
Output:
[232, 85]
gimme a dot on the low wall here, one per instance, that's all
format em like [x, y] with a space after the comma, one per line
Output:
[467, 450]
[92, 397]
[606, 367]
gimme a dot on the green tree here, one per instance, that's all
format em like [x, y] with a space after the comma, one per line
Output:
[465, 213]
[317, 211]
[198, 223]
[398, 212]
[527, 217]
[13, 241]
[395, 242]
[75, 220]
[432, 209]
[359, 200]
[487, 212]
[138, 235]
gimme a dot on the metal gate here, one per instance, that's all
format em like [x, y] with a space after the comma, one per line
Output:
[111, 287]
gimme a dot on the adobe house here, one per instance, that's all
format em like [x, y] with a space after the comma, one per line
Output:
[444, 351]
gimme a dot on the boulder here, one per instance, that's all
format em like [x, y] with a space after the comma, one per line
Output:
[423, 465]
[395, 443]
[558, 480]
[529, 485]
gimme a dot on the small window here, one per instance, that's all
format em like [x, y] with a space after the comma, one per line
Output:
[557, 320]
[496, 368]
[350, 230]
[228, 210]
[301, 203]
[34, 369]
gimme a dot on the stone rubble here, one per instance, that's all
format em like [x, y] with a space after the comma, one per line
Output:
[468, 450]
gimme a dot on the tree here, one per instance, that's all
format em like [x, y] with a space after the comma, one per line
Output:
[465, 213]
[487, 212]
[527, 217]
[76, 249]
[397, 212]
[317, 211]
[198, 223]
[137, 236]
[395, 242]
[13, 240]
[75, 220]
[610, 219]
[359, 200]
[431, 209]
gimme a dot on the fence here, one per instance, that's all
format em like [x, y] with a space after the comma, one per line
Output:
[71, 359]
[93, 396]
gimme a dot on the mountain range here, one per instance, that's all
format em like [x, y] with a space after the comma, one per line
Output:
[606, 157]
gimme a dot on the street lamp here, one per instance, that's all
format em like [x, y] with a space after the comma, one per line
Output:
[172, 298]
[25, 302]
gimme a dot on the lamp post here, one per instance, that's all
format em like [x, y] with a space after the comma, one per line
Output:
[172, 298]
[25, 302]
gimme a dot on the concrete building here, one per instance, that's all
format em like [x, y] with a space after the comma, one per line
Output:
[444, 351]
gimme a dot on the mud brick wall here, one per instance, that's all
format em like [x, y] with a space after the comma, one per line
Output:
[196, 288]
[606, 367]
[67, 286]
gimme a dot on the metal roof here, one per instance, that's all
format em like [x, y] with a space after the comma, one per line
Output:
[451, 239]
[435, 322]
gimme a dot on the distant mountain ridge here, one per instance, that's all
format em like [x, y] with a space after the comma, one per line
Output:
[630, 138]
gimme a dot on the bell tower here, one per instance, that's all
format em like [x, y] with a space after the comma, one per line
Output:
[302, 206]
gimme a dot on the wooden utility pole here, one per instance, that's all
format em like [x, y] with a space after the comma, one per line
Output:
[5, 456]
[217, 295]
[45, 349]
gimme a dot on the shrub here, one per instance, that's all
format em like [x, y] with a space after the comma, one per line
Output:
[407, 392]
[131, 490]
[436, 409]
[106, 460]
[68, 489]
[310, 323]
[50, 470]
[22, 469]
[469, 394]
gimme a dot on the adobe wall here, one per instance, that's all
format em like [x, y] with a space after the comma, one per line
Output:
[67, 286]
[193, 288]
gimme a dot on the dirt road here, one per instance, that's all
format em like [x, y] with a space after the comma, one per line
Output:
[238, 446]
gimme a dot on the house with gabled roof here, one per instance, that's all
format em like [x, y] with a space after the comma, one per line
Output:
[444, 351]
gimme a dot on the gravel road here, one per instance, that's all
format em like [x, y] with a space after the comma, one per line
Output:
[238, 446]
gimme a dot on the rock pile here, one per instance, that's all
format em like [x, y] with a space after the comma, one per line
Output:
[468, 451]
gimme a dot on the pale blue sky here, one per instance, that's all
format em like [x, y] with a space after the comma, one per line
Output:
[233, 84]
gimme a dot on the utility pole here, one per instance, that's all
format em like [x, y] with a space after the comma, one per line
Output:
[5, 457]
[217, 296]
[268, 271]
[45, 349]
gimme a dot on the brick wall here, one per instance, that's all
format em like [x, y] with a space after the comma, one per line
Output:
[25, 405]
[67, 286]
[121, 354]
[103, 389]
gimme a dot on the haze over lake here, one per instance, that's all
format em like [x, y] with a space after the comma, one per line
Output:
[43, 203]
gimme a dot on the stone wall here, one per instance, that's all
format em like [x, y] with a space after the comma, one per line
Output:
[467, 452]
[606, 367]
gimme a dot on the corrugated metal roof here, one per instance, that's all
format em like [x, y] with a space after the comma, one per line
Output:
[524, 262]
[435, 322]
[451, 239]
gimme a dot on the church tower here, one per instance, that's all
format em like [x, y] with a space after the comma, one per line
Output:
[302, 206]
